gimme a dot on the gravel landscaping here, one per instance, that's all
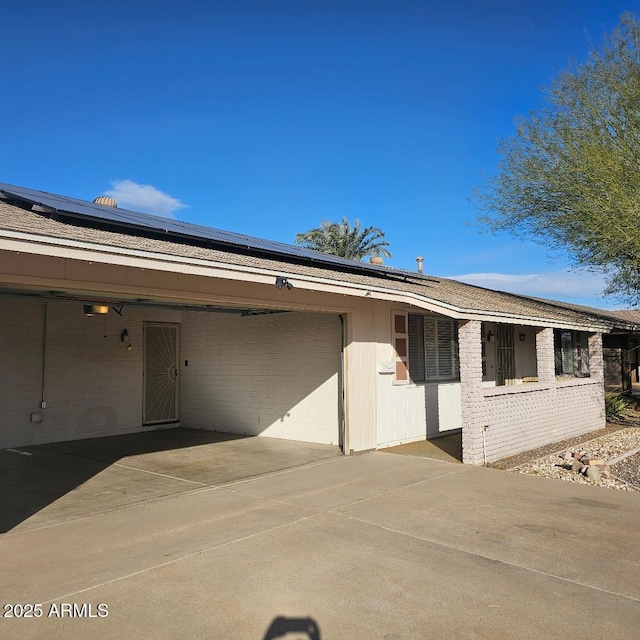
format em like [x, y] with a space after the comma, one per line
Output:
[618, 445]
[605, 447]
[628, 470]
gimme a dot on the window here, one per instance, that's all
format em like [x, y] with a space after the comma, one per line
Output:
[433, 353]
[571, 353]
[505, 355]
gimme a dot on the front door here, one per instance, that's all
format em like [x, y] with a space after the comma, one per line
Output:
[160, 373]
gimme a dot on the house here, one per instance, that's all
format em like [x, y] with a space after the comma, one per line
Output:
[619, 347]
[113, 322]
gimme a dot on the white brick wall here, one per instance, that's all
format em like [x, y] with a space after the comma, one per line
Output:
[20, 373]
[470, 346]
[92, 384]
[527, 419]
[273, 375]
[545, 355]
[519, 418]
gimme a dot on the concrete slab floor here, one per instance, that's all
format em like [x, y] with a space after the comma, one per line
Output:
[52, 483]
[368, 546]
[447, 448]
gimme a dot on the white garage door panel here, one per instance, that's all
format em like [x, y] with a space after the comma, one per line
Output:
[275, 375]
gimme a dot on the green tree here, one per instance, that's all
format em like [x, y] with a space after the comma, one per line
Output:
[341, 239]
[570, 176]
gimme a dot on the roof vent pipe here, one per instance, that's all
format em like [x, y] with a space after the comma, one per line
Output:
[419, 260]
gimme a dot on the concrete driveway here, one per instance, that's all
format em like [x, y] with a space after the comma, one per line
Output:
[52, 483]
[370, 546]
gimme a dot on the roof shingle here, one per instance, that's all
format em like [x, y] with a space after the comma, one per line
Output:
[461, 296]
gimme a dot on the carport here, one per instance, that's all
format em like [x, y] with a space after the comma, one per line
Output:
[146, 365]
[59, 482]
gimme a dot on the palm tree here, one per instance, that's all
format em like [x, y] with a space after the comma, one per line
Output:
[340, 239]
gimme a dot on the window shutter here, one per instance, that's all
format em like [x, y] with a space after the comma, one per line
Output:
[445, 349]
[433, 353]
[416, 347]
[430, 348]
[400, 336]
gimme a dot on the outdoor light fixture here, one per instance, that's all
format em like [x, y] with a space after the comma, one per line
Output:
[489, 336]
[522, 337]
[281, 281]
[95, 309]
[124, 337]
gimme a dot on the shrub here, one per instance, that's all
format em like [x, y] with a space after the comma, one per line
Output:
[615, 406]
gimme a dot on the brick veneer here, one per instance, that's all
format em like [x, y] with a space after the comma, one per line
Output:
[470, 345]
[545, 356]
[502, 421]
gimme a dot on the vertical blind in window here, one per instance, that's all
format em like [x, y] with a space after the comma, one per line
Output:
[446, 349]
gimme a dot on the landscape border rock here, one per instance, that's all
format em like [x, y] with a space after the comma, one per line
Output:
[592, 463]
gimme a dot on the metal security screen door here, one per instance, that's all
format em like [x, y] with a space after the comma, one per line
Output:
[160, 373]
[505, 355]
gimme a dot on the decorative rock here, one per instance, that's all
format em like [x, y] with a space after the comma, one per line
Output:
[596, 461]
[608, 447]
[576, 466]
[593, 473]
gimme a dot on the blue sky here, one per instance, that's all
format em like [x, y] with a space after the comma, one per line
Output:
[268, 117]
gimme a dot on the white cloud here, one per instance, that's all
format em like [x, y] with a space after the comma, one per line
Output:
[564, 284]
[144, 197]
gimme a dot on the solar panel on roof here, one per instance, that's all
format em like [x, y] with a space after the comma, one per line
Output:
[135, 219]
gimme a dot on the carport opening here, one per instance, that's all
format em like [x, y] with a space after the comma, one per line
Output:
[246, 371]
